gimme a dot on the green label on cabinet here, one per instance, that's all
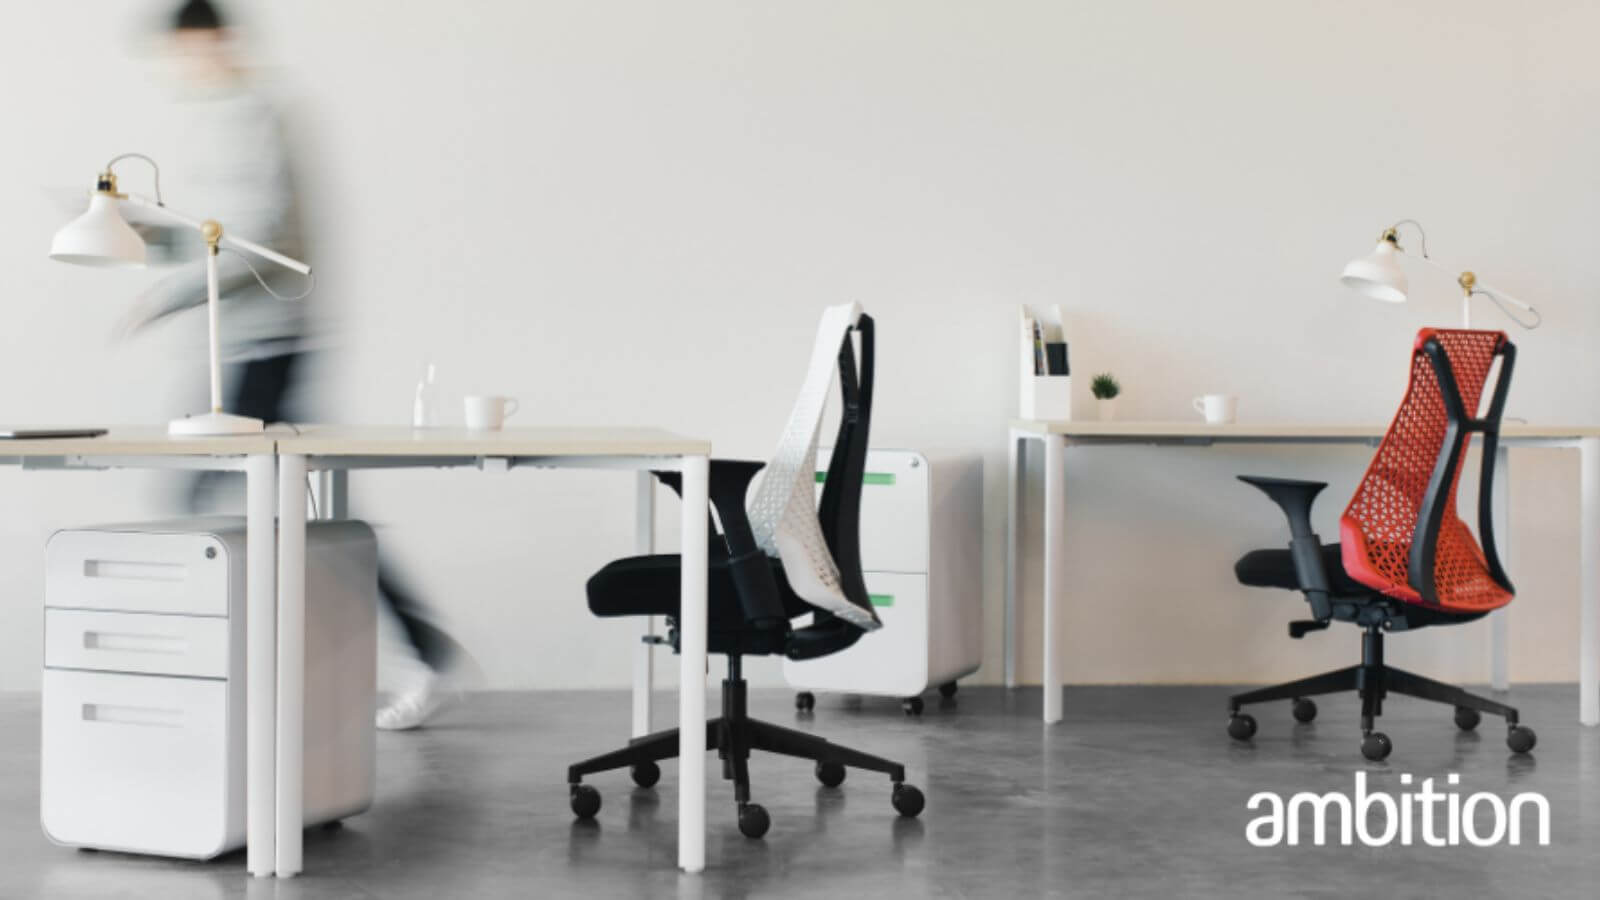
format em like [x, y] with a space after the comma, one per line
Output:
[881, 599]
[868, 478]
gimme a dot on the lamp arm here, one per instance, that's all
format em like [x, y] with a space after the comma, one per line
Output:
[227, 239]
[1500, 298]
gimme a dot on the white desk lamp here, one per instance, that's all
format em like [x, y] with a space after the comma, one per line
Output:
[101, 237]
[1380, 276]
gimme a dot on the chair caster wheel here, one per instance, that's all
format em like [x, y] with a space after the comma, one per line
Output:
[947, 690]
[912, 706]
[1376, 746]
[753, 820]
[1241, 726]
[585, 801]
[1467, 718]
[908, 801]
[805, 701]
[830, 774]
[1521, 739]
[1304, 710]
[333, 825]
[645, 774]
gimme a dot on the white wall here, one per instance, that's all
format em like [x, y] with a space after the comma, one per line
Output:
[631, 212]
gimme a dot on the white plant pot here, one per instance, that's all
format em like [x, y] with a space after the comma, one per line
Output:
[1107, 409]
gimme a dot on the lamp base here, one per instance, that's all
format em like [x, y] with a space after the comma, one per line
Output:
[214, 423]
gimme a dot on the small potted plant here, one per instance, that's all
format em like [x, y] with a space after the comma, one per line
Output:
[1105, 389]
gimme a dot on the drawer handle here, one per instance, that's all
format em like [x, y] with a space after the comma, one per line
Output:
[135, 643]
[133, 715]
[134, 571]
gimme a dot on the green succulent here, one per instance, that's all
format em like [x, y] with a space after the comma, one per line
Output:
[1104, 386]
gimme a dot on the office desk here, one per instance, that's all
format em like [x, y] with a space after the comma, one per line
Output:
[276, 465]
[1058, 436]
[336, 450]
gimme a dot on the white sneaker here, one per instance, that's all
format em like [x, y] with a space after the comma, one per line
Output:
[411, 709]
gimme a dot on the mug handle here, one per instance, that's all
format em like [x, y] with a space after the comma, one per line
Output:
[1199, 405]
[511, 407]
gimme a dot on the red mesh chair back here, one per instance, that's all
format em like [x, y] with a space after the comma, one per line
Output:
[1401, 534]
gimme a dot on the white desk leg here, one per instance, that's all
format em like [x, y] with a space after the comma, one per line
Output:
[1499, 620]
[261, 663]
[291, 659]
[1589, 584]
[692, 624]
[1016, 460]
[337, 504]
[1055, 564]
[644, 655]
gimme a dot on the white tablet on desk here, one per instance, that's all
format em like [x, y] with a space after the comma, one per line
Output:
[47, 434]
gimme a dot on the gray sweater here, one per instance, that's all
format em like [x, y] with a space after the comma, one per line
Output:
[238, 171]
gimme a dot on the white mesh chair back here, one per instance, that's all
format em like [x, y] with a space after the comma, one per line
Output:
[783, 513]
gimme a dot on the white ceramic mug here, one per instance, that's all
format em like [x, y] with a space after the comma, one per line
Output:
[1219, 409]
[486, 413]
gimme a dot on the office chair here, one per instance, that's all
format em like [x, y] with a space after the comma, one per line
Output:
[786, 557]
[1404, 560]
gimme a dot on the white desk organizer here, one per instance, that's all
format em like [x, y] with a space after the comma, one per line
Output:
[144, 684]
[1044, 397]
[921, 549]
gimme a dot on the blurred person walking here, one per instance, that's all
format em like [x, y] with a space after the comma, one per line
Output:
[239, 160]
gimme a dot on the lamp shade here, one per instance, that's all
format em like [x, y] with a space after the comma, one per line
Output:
[99, 237]
[1378, 274]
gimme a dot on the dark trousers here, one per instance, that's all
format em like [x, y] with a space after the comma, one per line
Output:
[263, 389]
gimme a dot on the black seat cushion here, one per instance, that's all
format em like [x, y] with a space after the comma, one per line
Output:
[649, 586]
[1275, 569]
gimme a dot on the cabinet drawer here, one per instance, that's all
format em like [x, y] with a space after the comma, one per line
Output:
[894, 510]
[891, 661]
[134, 642]
[135, 763]
[137, 572]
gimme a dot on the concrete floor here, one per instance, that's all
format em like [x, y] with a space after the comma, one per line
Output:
[1138, 793]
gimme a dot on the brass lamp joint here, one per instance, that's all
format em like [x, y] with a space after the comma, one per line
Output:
[1468, 282]
[1390, 235]
[211, 231]
[106, 183]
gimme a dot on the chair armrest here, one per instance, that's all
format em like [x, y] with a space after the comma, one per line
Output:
[1295, 498]
[723, 470]
[750, 568]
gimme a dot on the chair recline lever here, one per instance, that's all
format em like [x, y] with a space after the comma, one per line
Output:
[1301, 628]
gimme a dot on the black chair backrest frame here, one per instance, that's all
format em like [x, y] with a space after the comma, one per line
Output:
[1461, 425]
[839, 510]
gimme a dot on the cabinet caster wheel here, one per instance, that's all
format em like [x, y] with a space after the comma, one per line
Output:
[947, 690]
[1304, 710]
[334, 825]
[908, 801]
[585, 801]
[805, 701]
[1376, 746]
[753, 820]
[1521, 739]
[830, 774]
[1241, 726]
[645, 774]
[1467, 719]
[912, 706]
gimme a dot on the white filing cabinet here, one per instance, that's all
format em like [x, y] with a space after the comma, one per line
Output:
[143, 700]
[922, 554]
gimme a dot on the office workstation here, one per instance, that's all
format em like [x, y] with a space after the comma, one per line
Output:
[635, 450]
